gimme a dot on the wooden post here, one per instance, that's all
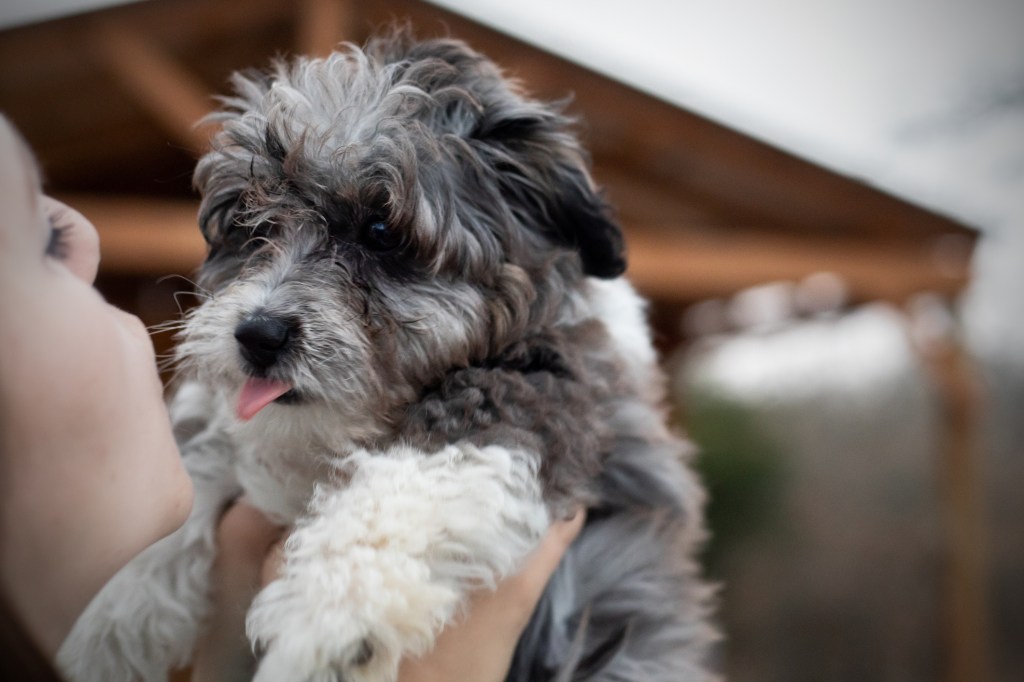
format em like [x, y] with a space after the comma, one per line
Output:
[966, 610]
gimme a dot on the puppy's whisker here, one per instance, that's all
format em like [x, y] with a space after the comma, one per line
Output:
[202, 296]
[170, 362]
[324, 362]
[198, 289]
[166, 327]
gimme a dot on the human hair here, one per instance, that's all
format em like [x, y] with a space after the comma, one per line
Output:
[20, 657]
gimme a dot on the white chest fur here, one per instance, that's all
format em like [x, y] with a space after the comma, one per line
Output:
[279, 464]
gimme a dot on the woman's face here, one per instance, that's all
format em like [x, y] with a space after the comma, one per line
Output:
[89, 473]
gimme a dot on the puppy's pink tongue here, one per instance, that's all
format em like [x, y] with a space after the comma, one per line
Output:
[257, 394]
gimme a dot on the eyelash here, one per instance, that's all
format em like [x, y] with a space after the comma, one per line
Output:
[57, 246]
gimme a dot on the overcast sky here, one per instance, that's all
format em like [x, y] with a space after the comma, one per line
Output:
[865, 86]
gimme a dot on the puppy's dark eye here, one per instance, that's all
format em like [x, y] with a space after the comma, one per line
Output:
[380, 236]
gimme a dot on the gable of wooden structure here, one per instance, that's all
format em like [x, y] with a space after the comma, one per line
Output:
[109, 101]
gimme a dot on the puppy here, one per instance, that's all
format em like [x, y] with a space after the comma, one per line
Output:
[416, 350]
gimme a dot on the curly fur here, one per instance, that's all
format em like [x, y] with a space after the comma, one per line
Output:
[465, 364]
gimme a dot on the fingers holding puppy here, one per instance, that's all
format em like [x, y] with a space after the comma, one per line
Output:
[248, 557]
[477, 648]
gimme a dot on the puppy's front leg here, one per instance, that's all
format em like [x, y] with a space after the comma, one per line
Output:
[382, 564]
[145, 621]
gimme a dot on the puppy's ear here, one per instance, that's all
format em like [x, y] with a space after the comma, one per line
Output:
[527, 147]
[582, 220]
[542, 173]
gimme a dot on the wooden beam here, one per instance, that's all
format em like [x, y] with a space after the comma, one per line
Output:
[966, 614]
[169, 93]
[142, 236]
[683, 267]
[160, 236]
[635, 198]
[322, 24]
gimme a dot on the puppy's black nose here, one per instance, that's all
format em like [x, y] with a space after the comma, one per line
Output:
[262, 338]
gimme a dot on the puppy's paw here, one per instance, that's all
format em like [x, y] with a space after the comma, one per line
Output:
[349, 606]
[142, 623]
[283, 661]
[338, 625]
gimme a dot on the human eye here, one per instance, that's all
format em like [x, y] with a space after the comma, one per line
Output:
[58, 243]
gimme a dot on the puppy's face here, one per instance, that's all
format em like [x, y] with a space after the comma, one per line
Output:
[378, 217]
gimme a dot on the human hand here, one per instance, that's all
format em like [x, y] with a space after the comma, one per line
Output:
[477, 648]
[249, 554]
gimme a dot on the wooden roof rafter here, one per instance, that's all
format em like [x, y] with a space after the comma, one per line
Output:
[175, 98]
[172, 96]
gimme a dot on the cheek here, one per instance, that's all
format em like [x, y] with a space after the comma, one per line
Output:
[86, 417]
[97, 464]
[145, 475]
[121, 422]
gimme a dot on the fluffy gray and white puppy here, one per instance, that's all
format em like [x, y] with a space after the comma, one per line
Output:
[416, 350]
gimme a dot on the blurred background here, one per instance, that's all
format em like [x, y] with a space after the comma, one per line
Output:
[824, 203]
